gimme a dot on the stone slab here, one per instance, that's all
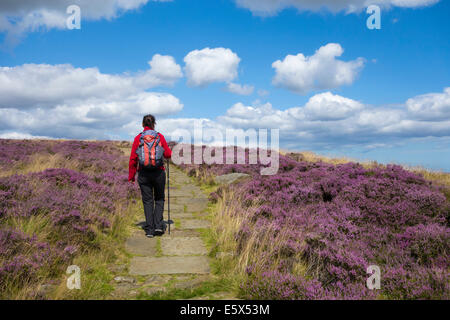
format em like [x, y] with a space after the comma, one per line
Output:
[169, 265]
[174, 207]
[181, 233]
[183, 246]
[195, 224]
[139, 244]
[179, 215]
[186, 191]
[192, 204]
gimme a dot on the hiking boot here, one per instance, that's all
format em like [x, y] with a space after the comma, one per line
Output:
[159, 232]
[149, 234]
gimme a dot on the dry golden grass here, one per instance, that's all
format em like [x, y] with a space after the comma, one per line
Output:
[124, 146]
[126, 151]
[204, 177]
[41, 162]
[312, 157]
[37, 163]
[255, 250]
[440, 177]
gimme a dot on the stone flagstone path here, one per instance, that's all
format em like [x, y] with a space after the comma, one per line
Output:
[178, 260]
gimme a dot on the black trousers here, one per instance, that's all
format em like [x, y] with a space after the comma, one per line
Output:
[152, 184]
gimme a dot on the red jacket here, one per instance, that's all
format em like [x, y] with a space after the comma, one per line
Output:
[134, 160]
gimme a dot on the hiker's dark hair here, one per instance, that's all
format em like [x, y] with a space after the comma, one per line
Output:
[149, 121]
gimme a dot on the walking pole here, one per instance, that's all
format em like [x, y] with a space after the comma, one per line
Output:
[168, 193]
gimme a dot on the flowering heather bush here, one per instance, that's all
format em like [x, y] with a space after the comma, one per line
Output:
[23, 257]
[86, 155]
[13, 152]
[77, 205]
[336, 220]
[241, 162]
[101, 156]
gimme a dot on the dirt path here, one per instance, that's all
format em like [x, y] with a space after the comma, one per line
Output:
[178, 261]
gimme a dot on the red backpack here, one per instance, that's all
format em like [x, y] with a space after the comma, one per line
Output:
[150, 152]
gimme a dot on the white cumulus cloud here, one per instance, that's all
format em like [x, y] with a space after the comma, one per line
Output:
[207, 66]
[272, 7]
[163, 71]
[18, 17]
[320, 71]
[244, 90]
[327, 106]
[67, 102]
[332, 121]
[432, 106]
[32, 85]
[20, 136]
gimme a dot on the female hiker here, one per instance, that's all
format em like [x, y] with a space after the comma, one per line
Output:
[147, 157]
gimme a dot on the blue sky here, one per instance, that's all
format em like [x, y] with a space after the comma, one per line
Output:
[393, 105]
